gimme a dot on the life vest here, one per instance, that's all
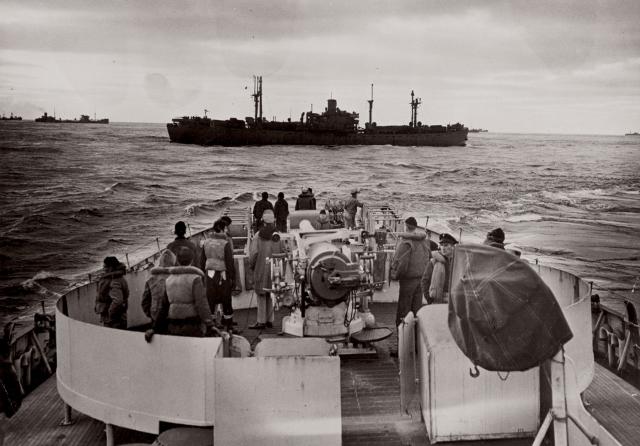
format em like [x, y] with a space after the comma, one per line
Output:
[214, 252]
[501, 313]
[179, 287]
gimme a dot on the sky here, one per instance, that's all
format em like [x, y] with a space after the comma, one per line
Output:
[540, 66]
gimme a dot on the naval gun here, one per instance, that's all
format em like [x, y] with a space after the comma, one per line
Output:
[326, 278]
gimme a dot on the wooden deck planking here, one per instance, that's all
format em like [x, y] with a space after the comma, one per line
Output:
[370, 390]
[615, 404]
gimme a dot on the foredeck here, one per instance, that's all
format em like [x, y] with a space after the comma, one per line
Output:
[370, 404]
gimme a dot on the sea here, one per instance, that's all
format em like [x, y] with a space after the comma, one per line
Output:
[72, 194]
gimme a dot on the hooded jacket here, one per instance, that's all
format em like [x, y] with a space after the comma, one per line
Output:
[262, 247]
[113, 295]
[305, 201]
[411, 256]
[154, 288]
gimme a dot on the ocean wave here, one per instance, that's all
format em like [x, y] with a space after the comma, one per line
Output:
[524, 217]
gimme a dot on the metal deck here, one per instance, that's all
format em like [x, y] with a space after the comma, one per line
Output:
[370, 404]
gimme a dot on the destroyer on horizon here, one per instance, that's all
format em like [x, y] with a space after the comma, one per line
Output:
[332, 127]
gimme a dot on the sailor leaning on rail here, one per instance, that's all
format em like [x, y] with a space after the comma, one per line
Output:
[184, 310]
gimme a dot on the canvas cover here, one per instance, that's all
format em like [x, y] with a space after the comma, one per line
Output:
[501, 314]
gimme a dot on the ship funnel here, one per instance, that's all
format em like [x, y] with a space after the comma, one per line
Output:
[332, 106]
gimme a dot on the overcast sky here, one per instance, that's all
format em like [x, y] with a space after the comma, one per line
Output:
[514, 66]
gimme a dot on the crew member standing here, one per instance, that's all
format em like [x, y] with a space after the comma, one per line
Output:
[113, 295]
[435, 280]
[184, 310]
[351, 209]
[217, 263]
[408, 264]
[180, 230]
[306, 201]
[259, 208]
[281, 212]
[263, 247]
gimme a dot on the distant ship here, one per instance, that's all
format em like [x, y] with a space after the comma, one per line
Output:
[12, 117]
[84, 119]
[632, 134]
[333, 127]
[477, 130]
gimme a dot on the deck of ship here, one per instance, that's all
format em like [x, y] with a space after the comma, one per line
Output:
[370, 404]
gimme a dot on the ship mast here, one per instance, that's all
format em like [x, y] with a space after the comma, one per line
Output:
[370, 105]
[257, 98]
[414, 109]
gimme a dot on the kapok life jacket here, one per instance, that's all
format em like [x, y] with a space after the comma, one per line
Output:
[501, 313]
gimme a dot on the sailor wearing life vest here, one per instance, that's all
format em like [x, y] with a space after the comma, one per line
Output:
[435, 280]
[217, 263]
[184, 310]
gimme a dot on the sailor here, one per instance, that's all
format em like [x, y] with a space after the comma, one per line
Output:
[184, 310]
[495, 238]
[435, 280]
[322, 222]
[313, 199]
[259, 208]
[408, 264]
[262, 247]
[306, 200]
[218, 265]
[113, 295]
[154, 288]
[351, 208]
[180, 230]
[281, 212]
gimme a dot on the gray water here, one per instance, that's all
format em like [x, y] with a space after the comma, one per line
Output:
[72, 194]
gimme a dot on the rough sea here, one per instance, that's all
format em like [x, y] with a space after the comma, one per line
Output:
[71, 194]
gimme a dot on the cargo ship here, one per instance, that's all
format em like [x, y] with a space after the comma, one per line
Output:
[332, 127]
[12, 117]
[84, 119]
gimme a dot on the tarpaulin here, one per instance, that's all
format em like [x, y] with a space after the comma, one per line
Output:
[501, 314]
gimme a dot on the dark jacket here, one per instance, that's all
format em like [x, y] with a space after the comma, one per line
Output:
[411, 256]
[261, 248]
[178, 243]
[305, 201]
[259, 209]
[281, 210]
[112, 298]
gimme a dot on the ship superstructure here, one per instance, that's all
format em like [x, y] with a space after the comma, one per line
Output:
[331, 127]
